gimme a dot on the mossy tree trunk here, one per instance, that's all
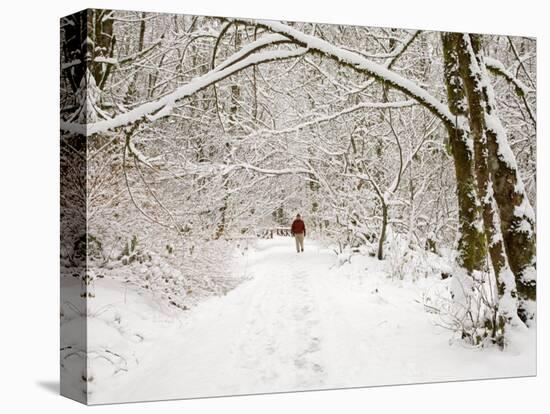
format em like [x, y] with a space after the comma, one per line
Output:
[476, 94]
[517, 218]
[471, 242]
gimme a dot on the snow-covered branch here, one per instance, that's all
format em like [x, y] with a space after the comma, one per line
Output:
[522, 90]
[498, 67]
[360, 63]
[327, 118]
[197, 84]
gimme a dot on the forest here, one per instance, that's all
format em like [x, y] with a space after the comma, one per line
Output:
[188, 141]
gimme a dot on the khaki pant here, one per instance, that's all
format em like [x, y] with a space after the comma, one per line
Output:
[299, 237]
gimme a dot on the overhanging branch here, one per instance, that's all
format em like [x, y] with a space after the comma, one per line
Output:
[164, 105]
[361, 64]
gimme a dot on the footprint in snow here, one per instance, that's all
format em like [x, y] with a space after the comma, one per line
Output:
[314, 345]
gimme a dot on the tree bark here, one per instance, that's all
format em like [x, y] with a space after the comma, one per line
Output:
[380, 254]
[471, 242]
[517, 218]
[232, 130]
[475, 92]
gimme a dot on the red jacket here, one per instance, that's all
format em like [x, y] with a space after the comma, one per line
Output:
[298, 226]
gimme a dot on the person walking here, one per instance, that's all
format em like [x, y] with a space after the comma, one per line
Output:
[298, 230]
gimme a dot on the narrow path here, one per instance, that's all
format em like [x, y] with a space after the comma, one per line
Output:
[299, 324]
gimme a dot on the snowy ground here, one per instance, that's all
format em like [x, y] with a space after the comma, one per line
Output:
[300, 323]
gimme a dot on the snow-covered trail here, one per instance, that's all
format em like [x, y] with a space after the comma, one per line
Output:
[298, 324]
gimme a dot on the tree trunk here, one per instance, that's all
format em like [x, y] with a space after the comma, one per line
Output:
[517, 218]
[100, 31]
[471, 242]
[380, 254]
[475, 93]
[232, 130]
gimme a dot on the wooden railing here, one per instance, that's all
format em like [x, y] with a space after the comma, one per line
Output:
[268, 233]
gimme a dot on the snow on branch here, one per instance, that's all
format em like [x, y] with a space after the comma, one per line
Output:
[135, 56]
[272, 172]
[401, 49]
[522, 90]
[247, 50]
[363, 105]
[498, 67]
[224, 169]
[360, 63]
[150, 109]
[138, 154]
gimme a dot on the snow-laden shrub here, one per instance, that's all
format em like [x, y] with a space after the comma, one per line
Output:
[398, 255]
[467, 306]
[408, 260]
[179, 274]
